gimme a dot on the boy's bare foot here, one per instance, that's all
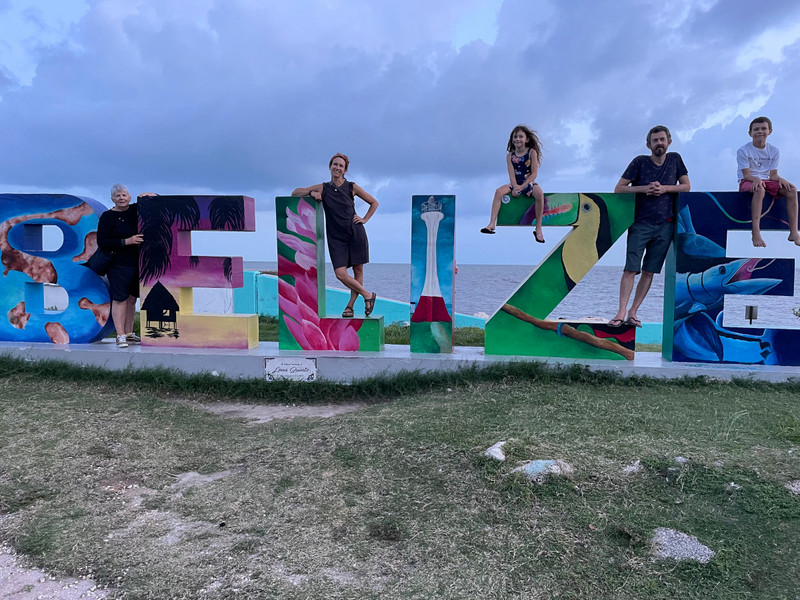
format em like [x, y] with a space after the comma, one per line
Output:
[758, 241]
[795, 238]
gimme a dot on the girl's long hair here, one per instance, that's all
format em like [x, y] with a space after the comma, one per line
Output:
[533, 140]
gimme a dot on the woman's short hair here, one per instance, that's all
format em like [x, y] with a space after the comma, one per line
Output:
[118, 187]
[343, 157]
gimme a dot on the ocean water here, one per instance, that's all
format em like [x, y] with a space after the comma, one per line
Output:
[482, 289]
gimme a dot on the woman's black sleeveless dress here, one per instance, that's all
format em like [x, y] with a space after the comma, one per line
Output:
[347, 241]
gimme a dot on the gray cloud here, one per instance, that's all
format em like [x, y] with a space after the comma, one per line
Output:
[237, 96]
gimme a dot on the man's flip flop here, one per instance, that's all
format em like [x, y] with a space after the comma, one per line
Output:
[615, 323]
[487, 230]
[538, 237]
[369, 304]
[633, 321]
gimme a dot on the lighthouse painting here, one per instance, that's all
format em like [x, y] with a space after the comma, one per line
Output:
[432, 267]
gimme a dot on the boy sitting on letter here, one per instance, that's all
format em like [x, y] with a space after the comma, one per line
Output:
[758, 172]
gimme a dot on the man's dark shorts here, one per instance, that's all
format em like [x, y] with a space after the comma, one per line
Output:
[655, 239]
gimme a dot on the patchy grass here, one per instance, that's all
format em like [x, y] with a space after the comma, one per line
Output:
[397, 501]
[648, 347]
[394, 333]
[374, 389]
[468, 336]
[267, 329]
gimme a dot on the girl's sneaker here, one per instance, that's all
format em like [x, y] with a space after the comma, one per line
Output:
[122, 342]
[132, 338]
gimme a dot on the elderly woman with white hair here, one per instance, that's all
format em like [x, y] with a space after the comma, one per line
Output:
[118, 234]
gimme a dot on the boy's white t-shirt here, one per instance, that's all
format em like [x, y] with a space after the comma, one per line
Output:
[760, 161]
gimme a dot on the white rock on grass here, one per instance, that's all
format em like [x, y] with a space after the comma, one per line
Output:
[681, 460]
[538, 470]
[496, 451]
[794, 487]
[632, 469]
[668, 543]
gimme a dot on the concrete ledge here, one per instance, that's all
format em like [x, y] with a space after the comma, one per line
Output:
[348, 367]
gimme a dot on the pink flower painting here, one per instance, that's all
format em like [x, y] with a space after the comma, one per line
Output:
[298, 302]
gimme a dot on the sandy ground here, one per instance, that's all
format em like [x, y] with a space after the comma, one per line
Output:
[263, 413]
[19, 582]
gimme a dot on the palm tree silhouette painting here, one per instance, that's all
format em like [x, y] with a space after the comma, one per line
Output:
[226, 213]
[166, 223]
[161, 308]
[158, 216]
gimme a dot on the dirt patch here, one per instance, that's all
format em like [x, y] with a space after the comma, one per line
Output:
[194, 479]
[174, 527]
[19, 582]
[264, 413]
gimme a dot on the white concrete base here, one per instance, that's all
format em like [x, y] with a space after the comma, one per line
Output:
[351, 366]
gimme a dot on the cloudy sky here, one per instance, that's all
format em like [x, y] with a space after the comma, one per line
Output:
[253, 96]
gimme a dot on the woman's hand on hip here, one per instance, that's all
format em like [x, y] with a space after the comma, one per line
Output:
[134, 240]
[357, 219]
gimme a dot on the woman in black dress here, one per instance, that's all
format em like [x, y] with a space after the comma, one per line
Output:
[347, 238]
[118, 233]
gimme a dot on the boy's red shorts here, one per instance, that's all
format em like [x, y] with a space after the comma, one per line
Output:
[772, 186]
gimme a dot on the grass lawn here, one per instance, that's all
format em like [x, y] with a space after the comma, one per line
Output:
[396, 500]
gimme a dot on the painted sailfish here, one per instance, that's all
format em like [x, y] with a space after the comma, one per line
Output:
[702, 292]
[589, 240]
[699, 337]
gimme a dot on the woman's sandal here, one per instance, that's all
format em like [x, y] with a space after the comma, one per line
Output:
[348, 312]
[369, 304]
[538, 237]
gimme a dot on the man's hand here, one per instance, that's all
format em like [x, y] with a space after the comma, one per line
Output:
[655, 189]
[787, 185]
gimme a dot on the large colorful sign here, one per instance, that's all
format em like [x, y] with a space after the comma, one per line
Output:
[520, 326]
[303, 323]
[33, 277]
[168, 271]
[432, 267]
[703, 274]
[699, 276]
